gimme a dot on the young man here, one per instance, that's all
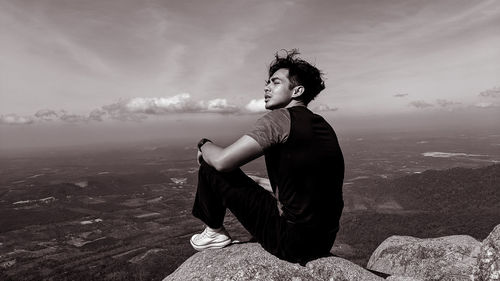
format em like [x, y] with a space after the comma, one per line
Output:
[299, 220]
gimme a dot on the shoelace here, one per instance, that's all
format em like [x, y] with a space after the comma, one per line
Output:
[204, 234]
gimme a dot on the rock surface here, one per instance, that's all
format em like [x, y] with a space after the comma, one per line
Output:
[488, 262]
[445, 258]
[402, 278]
[250, 261]
[457, 257]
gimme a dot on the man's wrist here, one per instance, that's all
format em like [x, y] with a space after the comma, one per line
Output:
[202, 142]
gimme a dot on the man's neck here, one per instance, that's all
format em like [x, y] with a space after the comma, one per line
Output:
[295, 103]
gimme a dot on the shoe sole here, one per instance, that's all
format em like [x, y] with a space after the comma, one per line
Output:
[217, 245]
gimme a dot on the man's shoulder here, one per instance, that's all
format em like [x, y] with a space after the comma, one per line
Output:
[277, 113]
[305, 114]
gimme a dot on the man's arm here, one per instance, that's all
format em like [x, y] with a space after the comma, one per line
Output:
[234, 156]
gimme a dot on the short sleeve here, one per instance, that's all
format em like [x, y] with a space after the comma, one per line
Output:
[272, 128]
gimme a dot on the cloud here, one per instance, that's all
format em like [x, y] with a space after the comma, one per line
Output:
[256, 106]
[139, 108]
[220, 106]
[175, 104]
[134, 109]
[446, 103]
[96, 115]
[491, 93]
[181, 103]
[72, 118]
[117, 111]
[46, 115]
[485, 105]
[61, 115]
[400, 95]
[420, 104]
[14, 119]
[324, 107]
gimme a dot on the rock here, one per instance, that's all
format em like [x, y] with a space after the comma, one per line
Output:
[249, 261]
[488, 262]
[150, 254]
[402, 278]
[444, 258]
[343, 250]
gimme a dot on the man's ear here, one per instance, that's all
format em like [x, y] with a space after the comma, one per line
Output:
[297, 91]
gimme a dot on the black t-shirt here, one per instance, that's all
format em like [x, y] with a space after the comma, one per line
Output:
[304, 162]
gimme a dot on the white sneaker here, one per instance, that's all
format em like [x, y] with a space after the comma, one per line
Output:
[210, 239]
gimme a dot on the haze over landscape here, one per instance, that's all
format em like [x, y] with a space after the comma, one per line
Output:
[102, 103]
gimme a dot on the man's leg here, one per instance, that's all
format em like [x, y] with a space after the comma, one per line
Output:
[208, 205]
[253, 206]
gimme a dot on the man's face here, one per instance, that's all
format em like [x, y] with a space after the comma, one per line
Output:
[277, 90]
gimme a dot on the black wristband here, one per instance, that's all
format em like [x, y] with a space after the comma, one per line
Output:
[202, 142]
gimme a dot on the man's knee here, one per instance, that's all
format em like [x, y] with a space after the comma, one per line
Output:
[209, 172]
[210, 178]
[206, 169]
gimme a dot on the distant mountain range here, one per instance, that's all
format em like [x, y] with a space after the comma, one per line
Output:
[430, 204]
[453, 190]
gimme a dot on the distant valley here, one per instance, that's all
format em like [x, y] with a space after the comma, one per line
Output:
[125, 213]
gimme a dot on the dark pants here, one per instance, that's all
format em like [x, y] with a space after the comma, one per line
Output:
[257, 211]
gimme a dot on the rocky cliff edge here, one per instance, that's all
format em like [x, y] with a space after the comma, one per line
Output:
[458, 257]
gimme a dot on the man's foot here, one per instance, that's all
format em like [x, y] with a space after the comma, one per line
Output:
[211, 239]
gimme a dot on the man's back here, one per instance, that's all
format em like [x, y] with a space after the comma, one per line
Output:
[307, 171]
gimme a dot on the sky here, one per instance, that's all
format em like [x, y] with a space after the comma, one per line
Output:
[98, 61]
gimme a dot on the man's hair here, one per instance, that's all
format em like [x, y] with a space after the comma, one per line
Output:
[300, 72]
